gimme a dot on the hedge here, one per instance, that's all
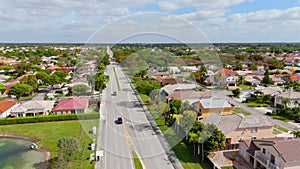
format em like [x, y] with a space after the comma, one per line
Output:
[49, 118]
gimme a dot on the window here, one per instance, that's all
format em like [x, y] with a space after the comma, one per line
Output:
[264, 151]
[73, 112]
[272, 160]
[254, 129]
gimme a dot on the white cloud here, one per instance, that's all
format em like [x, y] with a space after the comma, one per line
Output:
[120, 11]
[210, 4]
[204, 15]
[168, 6]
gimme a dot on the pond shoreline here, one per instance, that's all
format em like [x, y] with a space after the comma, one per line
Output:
[48, 152]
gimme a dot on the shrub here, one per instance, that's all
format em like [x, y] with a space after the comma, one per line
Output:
[49, 118]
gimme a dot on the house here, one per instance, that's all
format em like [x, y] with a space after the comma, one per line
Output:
[268, 90]
[295, 77]
[205, 107]
[72, 106]
[33, 108]
[250, 80]
[174, 70]
[168, 80]
[190, 68]
[230, 76]
[190, 96]
[169, 89]
[293, 97]
[237, 127]
[7, 106]
[271, 153]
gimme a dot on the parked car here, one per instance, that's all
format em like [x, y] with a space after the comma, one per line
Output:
[297, 120]
[119, 120]
[114, 93]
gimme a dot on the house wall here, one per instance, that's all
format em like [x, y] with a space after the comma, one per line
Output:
[247, 134]
[207, 112]
[243, 151]
[271, 151]
[8, 111]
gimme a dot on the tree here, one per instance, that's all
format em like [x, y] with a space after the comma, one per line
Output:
[187, 121]
[30, 80]
[2, 88]
[44, 77]
[61, 75]
[80, 89]
[266, 80]
[201, 75]
[296, 134]
[285, 102]
[67, 147]
[175, 106]
[236, 92]
[20, 89]
[241, 80]
[147, 85]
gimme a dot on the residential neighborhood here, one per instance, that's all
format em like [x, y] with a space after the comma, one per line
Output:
[248, 105]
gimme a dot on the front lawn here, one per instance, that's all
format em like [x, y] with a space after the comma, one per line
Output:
[239, 110]
[252, 104]
[245, 87]
[282, 118]
[49, 133]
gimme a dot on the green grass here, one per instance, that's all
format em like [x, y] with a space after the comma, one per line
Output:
[183, 150]
[116, 76]
[239, 110]
[282, 118]
[281, 128]
[146, 99]
[49, 133]
[229, 167]
[245, 87]
[136, 160]
[251, 104]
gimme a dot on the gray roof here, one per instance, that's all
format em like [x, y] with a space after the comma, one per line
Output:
[214, 103]
[179, 87]
[231, 122]
[32, 105]
[290, 95]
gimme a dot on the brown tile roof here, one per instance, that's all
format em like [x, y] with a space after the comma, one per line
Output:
[5, 105]
[183, 95]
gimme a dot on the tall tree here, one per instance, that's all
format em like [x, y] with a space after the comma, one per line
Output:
[20, 89]
[266, 80]
[201, 75]
[2, 88]
[187, 121]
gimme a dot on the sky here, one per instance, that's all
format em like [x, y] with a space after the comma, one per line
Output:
[82, 21]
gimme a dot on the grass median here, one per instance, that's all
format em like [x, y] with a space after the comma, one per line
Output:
[116, 76]
[136, 160]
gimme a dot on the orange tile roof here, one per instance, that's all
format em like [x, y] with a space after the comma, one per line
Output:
[183, 95]
[5, 105]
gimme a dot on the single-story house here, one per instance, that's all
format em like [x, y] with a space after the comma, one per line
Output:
[205, 107]
[72, 106]
[7, 106]
[293, 97]
[190, 96]
[169, 89]
[34, 108]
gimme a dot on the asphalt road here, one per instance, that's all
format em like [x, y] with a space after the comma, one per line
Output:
[135, 134]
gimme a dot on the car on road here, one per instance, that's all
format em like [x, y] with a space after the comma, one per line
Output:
[268, 113]
[297, 120]
[119, 120]
[114, 93]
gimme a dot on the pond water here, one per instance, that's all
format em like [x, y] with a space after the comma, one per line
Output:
[15, 154]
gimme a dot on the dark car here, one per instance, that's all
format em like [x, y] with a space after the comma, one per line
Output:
[268, 113]
[297, 120]
[114, 93]
[119, 120]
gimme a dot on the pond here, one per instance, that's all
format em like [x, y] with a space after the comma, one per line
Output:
[16, 154]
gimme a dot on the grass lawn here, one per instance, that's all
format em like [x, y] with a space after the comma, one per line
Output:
[183, 150]
[27, 97]
[281, 128]
[146, 99]
[49, 133]
[245, 87]
[238, 110]
[136, 160]
[282, 118]
[251, 104]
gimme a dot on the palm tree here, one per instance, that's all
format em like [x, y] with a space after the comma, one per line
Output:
[241, 80]
[285, 102]
[296, 134]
